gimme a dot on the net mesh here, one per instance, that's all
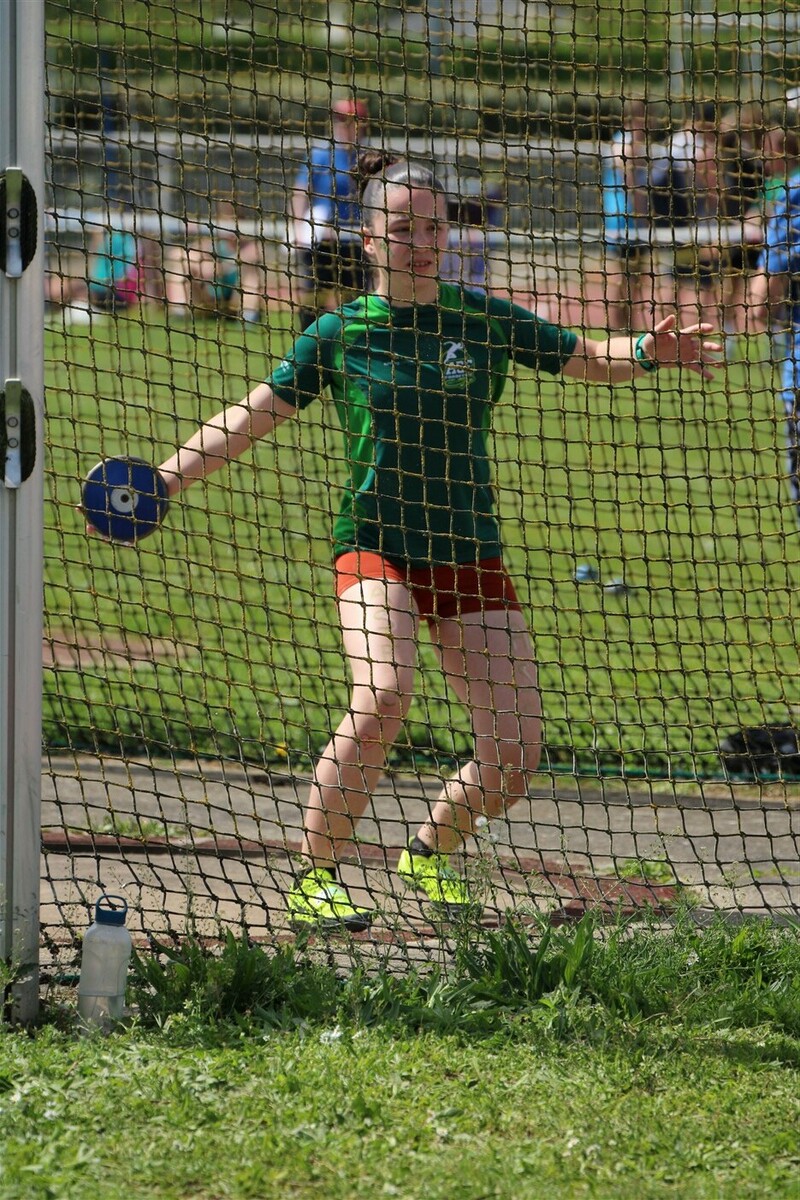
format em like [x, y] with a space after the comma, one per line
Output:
[192, 681]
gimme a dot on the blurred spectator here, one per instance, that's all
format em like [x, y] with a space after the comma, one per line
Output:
[631, 282]
[470, 215]
[693, 139]
[326, 262]
[781, 171]
[793, 98]
[111, 278]
[254, 278]
[774, 291]
[205, 274]
[685, 190]
[66, 284]
[115, 267]
[741, 192]
[741, 131]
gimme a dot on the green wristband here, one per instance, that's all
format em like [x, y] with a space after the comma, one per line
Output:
[646, 363]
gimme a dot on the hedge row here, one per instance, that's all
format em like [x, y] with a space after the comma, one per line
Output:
[511, 85]
[212, 106]
[301, 104]
[495, 58]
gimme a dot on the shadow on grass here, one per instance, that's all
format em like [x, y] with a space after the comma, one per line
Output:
[751, 1048]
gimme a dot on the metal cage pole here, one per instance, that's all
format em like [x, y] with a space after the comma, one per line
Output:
[21, 497]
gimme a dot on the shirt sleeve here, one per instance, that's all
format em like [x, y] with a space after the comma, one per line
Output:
[304, 372]
[303, 177]
[781, 252]
[532, 341]
[314, 168]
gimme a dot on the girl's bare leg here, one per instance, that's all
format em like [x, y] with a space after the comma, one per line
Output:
[488, 660]
[379, 629]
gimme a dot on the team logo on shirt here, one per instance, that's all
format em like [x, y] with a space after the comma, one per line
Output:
[458, 365]
[284, 368]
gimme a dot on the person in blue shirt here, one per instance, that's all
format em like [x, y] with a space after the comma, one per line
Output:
[326, 264]
[774, 292]
[624, 184]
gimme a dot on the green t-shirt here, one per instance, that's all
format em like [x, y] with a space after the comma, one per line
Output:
[414, 388]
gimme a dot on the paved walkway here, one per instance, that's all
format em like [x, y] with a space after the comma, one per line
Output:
[203, 844]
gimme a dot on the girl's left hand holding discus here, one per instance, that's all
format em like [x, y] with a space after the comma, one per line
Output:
[124, 499]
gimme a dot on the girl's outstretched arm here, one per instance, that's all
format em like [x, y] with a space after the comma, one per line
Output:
[618, 359]
[225, 437]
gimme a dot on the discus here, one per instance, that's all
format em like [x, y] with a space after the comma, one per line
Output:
[124, 499]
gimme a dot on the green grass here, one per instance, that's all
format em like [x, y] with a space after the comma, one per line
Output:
[680, 491]
[629, 1065]
[419, 1118]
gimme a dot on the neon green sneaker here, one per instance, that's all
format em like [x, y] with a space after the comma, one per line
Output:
[434, 876]
[319, 901]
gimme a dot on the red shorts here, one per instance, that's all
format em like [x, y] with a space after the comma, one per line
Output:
[439, 592]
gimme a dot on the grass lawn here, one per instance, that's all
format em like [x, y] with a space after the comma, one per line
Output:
[678, 490]
[414, 1117]
[640, 1065]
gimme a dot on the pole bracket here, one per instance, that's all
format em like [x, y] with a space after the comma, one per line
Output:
[18, 222]
[17, 433]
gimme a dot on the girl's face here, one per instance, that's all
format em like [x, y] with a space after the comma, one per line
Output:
[404, 243]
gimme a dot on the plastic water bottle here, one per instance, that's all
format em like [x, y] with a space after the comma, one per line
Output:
[104, 964]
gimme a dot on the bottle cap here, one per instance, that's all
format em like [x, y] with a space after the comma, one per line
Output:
[111, 910]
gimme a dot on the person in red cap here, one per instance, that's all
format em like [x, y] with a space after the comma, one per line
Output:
[327, 265]
[350, 108]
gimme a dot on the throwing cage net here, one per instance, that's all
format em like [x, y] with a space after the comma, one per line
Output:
[192, 680]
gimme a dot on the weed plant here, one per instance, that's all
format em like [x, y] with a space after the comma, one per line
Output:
[571, 981]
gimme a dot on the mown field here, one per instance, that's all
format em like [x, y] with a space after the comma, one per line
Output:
[632, 1064]
[226, 620]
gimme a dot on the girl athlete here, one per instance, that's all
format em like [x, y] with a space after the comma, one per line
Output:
[414, 369]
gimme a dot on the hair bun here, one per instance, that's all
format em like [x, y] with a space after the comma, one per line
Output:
[372, 163]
